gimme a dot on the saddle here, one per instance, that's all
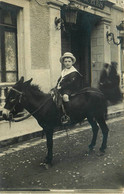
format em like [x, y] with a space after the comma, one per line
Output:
[57, 98]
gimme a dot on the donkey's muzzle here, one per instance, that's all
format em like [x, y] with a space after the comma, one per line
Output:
[7, 115]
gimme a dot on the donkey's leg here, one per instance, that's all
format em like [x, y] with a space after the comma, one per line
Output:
[105, 131]
[95, 129]
[49, 137]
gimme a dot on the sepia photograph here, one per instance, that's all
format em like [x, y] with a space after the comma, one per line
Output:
[62, 96]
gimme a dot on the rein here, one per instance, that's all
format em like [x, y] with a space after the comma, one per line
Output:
[30, 114]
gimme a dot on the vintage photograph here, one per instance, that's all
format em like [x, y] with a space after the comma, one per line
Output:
[62, 96]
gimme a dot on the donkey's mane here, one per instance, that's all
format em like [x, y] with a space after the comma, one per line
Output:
[34, 89]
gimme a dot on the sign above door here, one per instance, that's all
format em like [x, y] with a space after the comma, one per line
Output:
[95, 3]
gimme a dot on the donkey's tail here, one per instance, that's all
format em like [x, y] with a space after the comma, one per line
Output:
[106, 111]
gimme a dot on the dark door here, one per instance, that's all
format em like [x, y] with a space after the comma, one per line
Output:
[78, 41]
[80, 47]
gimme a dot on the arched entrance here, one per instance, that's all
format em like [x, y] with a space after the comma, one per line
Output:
[77, 39]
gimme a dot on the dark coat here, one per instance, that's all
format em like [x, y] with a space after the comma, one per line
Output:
[105, 84]
[70, 83]
[114, 77]
[115, 91]
[109, 85]
[103, 77]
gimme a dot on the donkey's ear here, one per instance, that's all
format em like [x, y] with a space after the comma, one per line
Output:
[20, 81]
[28, 82]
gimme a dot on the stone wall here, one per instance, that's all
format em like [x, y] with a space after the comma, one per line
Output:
[101, 50]
[39, 17]
[45, 44]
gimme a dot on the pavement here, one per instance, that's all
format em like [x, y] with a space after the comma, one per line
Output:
[28, 129]
[116, 110]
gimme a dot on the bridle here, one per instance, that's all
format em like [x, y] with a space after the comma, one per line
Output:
[19, 92]
[30, 114]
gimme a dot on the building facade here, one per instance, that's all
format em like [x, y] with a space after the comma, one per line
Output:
[34, 34]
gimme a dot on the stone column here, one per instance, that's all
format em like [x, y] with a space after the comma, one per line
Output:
[100, 50]
[121, 34]
[54, 41]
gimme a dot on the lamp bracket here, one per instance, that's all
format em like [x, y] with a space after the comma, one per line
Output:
[59, 23]
[110, 37]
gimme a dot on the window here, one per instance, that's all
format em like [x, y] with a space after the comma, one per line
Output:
[8, 44]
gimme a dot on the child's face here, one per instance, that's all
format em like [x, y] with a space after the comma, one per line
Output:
[68, 63]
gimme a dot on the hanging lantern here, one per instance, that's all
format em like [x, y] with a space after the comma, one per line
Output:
[71, 12]
[120, 27]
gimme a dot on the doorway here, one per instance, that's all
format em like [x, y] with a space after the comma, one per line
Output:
[77, 39]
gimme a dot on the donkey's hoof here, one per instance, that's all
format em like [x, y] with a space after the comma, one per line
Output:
[102, 150]
[100, 153]
[91, 147]
[47, 160]
[46, 166]
[89, 152]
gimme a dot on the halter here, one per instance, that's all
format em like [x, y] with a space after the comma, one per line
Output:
[20, 93]
[30, 114]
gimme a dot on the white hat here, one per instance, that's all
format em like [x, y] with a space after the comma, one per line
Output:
[68, 54]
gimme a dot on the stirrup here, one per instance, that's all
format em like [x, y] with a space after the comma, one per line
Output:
[65, 119]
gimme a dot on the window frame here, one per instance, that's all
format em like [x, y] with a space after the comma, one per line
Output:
[4, 27]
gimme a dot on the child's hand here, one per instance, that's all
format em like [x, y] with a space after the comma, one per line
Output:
[58, 87]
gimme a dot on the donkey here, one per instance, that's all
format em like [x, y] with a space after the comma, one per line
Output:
[88, 103]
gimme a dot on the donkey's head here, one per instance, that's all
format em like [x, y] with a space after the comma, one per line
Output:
[14, 99]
